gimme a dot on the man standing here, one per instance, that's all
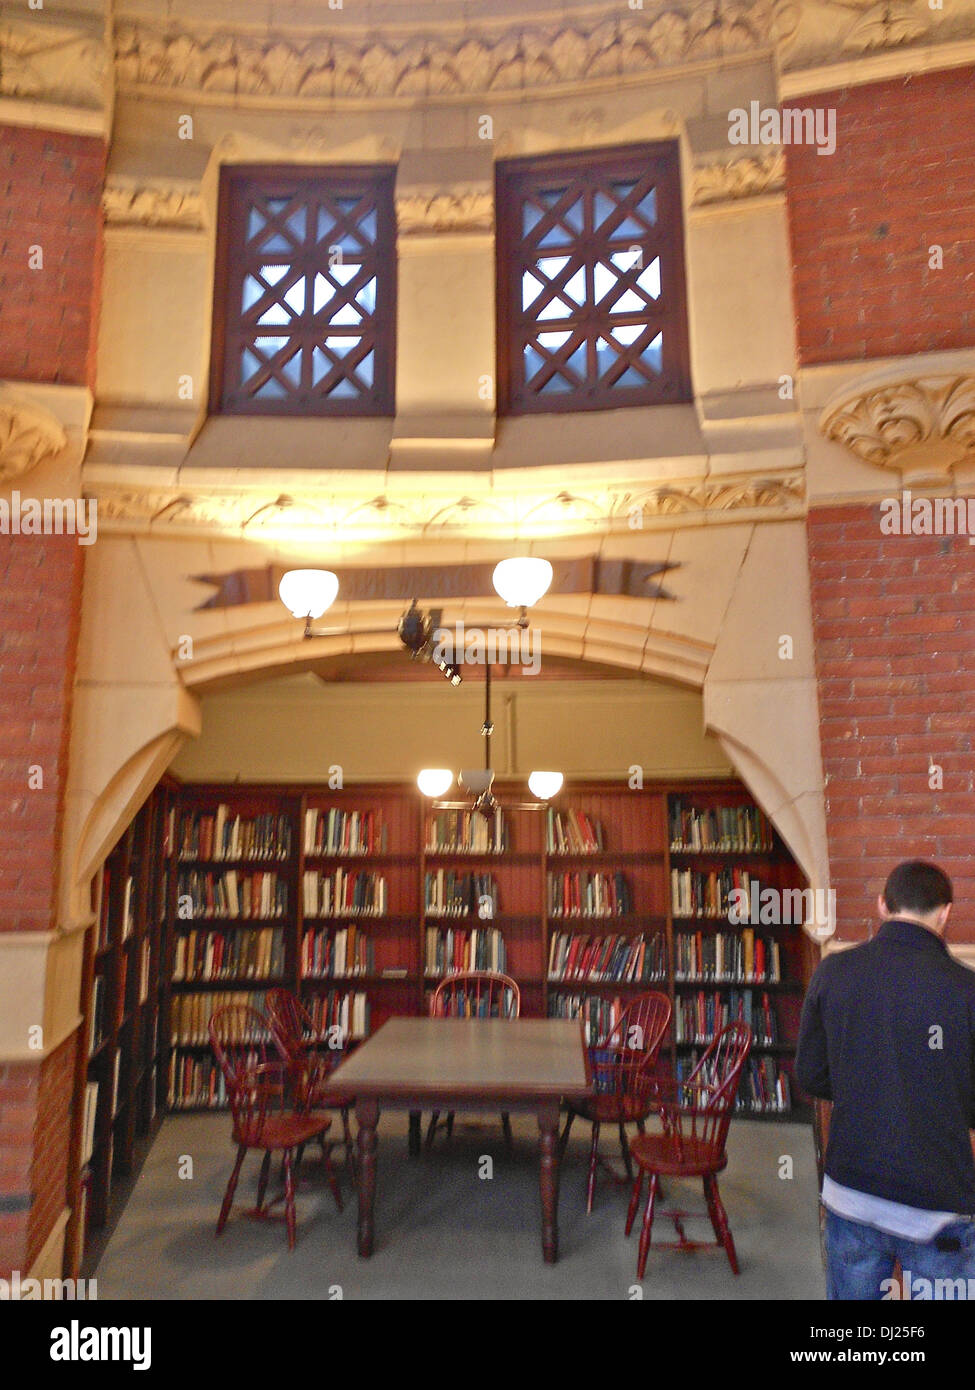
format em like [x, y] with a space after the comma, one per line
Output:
[888, 1035]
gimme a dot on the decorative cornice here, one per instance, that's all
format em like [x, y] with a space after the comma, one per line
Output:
[812, 33]
[496, 56]
[29, 436]
[921, 426]
[738, 178]
[259, 512]
[53, 62]
[459, 210]
[152, 206]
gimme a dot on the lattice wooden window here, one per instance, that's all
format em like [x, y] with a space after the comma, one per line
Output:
[591, 301]
[305, 299]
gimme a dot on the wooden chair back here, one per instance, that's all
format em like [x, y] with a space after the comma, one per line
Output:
[476, 994]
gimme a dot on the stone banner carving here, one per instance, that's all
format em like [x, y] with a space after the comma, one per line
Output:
[41, 61]
[152, 206]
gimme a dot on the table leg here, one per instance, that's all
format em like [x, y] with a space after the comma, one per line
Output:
[415, 1132]
[367, 1115]
[548, 1128]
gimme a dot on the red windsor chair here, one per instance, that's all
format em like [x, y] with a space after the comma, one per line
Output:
[262, 1118]
[474, 994]
[623, 1067]
[695, 1114]
[299, 1040]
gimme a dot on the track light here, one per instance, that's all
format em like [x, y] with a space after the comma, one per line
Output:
[417, 631]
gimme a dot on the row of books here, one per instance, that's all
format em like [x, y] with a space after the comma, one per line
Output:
[190, 1014]
[223, 836]
[195, 1082]
[589, 895]
[628, 959]
[763, 1089]
[697, 1017]
[216, 955]
[344, 893]
[449, 950]
[344, 832]
[230, 894]
[699, 894]
[347, 951]
[447, 893]
[466, 832]
[572, 832]
[88, 1121]
[339, 1016]
[599, 1016]
[740, 829]
[97, 1016]
[106, 925]
[736, 957]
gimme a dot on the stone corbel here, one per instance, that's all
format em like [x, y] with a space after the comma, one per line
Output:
[29, 435]
[920, 425]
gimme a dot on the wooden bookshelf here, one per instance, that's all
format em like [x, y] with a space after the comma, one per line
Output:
[121, 1049]
[364, 875]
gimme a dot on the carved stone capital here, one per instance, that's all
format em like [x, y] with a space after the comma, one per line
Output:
[738, 178]
[29, 435]
[922, 426]
[152, 206]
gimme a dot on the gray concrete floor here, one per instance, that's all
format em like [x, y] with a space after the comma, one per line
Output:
[443, 1232]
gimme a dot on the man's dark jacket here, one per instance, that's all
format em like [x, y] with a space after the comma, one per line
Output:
[888, 1035]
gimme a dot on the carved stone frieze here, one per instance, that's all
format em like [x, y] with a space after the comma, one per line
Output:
[738, 178]
[921, 426]
[52, 62]
[349, 518]
[152, 206]
[29, 436]
[498, 55]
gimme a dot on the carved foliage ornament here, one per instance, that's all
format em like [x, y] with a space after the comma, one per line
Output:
[28, 436]
[520, 55]
[434, 211]
[153, 206]
[923, 427]
[381, 516]
[738, 178]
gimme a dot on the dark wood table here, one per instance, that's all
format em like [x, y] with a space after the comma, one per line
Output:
[519, 1065]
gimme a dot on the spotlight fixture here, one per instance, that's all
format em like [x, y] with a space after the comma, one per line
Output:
[416, 632]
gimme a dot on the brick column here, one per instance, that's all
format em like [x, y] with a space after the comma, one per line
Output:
[51, 184]
[894, 624]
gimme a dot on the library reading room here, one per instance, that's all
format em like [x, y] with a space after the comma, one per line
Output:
[487, 506]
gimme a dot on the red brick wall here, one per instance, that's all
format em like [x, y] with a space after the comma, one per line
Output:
[862, 220]
[894, 626]
[40, 578]
[50, 196]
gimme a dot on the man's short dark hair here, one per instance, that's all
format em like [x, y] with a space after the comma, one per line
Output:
[917, 887]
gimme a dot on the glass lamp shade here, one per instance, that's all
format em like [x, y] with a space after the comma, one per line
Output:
[307, 593]
[477, 779]
[522, 581]
[434, 781]
[545, 785]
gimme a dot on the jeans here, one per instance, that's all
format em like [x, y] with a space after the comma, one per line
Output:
[860, 1262]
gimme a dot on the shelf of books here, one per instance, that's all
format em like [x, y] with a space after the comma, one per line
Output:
[118, 1068]
[739, 950]
[361, 899]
